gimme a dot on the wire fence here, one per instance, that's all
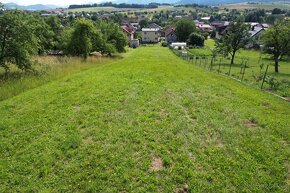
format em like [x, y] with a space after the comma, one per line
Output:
[253, 75]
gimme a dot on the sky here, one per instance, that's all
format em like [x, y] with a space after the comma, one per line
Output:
[53, 2]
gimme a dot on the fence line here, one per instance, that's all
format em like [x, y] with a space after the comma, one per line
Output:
[216, 64]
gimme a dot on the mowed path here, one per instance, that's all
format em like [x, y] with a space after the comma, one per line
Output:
[147, 123]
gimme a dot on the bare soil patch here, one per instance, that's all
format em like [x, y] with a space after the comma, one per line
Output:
[156, 164]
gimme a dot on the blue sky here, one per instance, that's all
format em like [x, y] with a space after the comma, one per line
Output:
[54, 2]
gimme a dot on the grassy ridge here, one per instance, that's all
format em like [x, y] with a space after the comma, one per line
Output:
[148, 123]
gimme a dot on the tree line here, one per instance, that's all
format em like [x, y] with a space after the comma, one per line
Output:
[23, 35]
[121, 5]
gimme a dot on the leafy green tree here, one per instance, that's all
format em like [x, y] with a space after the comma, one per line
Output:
[42, 31]
[56, 27]
[183, 29]
[113, 36]
[235, 38]
[196, 39]
[277, 41]
[83, 39]
[143, 23]
[17, 40]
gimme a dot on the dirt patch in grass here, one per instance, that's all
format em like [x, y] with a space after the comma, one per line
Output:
[77, 107]
[250, 124]
[156, 164]
[163, 112]
[183, 189]
[88, 140]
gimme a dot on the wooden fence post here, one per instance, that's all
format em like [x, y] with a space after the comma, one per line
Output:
[264, 77]
[244, 71]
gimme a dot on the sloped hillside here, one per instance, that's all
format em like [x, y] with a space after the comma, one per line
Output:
[147, 123]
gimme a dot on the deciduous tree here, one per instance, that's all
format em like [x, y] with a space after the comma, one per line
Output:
[82, 38]
[277, 41]
[17, 40]
[235, 38]
[183, 29]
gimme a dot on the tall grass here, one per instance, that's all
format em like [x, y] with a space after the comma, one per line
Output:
[45, 69]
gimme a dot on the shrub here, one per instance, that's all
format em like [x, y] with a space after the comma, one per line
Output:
[213, 34]
[164, 44]
[196, 40]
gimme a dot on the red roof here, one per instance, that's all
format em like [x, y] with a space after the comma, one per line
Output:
[128, 28]
[169, 31]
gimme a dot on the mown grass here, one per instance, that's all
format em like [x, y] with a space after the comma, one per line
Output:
[255, 60]
[150, 122]
[46, 68]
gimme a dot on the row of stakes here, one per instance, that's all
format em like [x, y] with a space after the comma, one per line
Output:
[203, 61]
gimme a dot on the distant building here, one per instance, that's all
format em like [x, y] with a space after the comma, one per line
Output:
[220, 27]
[136, 26]
[150, 35]
[154, 25]
[129, 31]
[170, 35]
[205, 27]
[255, 32]
[206, 19]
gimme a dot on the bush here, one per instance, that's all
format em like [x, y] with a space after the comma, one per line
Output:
[196, 40]
[205, 35]
[164, 44]
[213, 34]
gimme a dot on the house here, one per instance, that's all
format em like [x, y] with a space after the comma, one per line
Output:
[154, 25]
[220, 27]
[129, 31]
[170, 35]
[255, 33]
[205, 19]
[136, 26]
[205, 27]
[150, 35]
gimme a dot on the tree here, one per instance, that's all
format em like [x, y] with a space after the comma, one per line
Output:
[56, 27]
[143, 23]
[42, 31]
[236, 37]
[84, 38]
[196, 39]
[277, 41]
[183, 29]
[276, 11]
[114, 40]
[17, 40]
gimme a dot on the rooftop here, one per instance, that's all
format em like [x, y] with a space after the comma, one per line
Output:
[150, 29]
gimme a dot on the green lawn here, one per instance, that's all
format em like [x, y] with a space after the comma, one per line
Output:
[255, 59]
[149, 122]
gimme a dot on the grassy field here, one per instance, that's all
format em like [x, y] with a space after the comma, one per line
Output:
[266, 6]
[255, 59]
[150, 122]
[97, 9]
[47, 69]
